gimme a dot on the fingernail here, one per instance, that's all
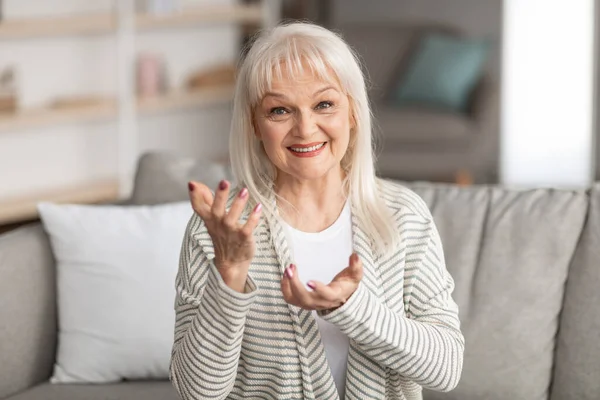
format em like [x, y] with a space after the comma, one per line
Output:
[258, 208]
[289, 272]
[311, 285]
[190, 186]
[243, 193]
[223, 185]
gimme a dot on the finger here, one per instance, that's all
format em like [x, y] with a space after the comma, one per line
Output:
[286, 289]
[356, 267]
[346, 273]
[299, 293]
[353, 272]
[218, 206]
[329, 294]
[200, 198]
[233, 216]
[253, 220]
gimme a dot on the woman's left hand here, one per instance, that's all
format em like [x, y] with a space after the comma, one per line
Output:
[322, 297]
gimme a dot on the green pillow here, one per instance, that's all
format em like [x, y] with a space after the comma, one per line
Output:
[443, 72]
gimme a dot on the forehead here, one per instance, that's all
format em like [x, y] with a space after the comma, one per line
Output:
[302, 75]
[305, 80]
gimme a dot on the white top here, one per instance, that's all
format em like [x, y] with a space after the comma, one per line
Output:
[321, 256]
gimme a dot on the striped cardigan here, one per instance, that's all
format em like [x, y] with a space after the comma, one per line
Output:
[402, 321]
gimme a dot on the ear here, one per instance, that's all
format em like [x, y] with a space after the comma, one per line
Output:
[352, 121]
[351, 113]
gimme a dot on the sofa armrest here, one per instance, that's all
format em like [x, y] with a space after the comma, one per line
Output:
[28, 331]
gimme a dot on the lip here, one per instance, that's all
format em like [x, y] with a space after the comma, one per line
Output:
[308, 153]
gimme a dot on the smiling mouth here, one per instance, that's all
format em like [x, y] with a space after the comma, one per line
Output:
[307, 149]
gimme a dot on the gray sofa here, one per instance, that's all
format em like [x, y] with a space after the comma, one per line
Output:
[526, 267]
[419, 142]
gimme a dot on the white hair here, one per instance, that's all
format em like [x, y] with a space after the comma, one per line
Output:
[296, 46]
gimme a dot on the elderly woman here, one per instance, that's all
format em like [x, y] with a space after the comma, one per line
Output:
[312, 278]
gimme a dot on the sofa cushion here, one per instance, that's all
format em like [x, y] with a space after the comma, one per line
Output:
[578, 344]
[163, 177]
[137, 390]
[28, 309]
[116, 268]
[508, 252]
[442, 73]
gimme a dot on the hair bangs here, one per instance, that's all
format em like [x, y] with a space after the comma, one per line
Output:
[289, 58]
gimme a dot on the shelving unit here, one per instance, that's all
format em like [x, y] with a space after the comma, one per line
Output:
[124, 108]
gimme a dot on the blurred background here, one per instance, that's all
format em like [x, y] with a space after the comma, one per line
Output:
[463, 91]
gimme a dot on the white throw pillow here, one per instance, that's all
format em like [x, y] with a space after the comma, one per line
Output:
[116, 268]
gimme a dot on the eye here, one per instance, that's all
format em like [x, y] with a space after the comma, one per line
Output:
[277, 111]
[324, 104]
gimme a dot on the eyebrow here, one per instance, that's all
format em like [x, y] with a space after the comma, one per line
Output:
[324, 89]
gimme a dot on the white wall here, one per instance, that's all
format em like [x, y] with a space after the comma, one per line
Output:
[547, 86]
[50, 157]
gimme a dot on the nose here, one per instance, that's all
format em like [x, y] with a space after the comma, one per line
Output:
[306, 125]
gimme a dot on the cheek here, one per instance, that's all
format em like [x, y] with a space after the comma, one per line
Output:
[272, 135]
[338, 127]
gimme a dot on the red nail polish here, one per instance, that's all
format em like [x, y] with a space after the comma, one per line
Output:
[311, 285]
[243, 193]
[190, 186]
[223, 185]
[258, 208]
[289, 272]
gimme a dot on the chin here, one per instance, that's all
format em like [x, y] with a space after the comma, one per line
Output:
[312, 172]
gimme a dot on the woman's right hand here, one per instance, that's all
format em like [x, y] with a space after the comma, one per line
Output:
[232, 241]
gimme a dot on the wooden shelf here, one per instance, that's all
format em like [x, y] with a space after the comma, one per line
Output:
[34, 118]
[186, 99]
[197, 15]
[103, 23]
[57, 26]
[25, 208]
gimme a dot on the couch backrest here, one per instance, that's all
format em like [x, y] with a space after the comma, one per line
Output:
[577, 370]
[509, 253]
[28, 326]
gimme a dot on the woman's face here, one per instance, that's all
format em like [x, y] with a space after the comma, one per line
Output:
[304, 124]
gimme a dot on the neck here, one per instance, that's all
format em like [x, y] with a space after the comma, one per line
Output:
[311, 205]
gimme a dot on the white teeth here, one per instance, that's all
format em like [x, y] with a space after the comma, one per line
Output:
[307, 149]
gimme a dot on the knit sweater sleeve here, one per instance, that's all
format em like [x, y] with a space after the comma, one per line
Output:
[425, 345]
[209, 322]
